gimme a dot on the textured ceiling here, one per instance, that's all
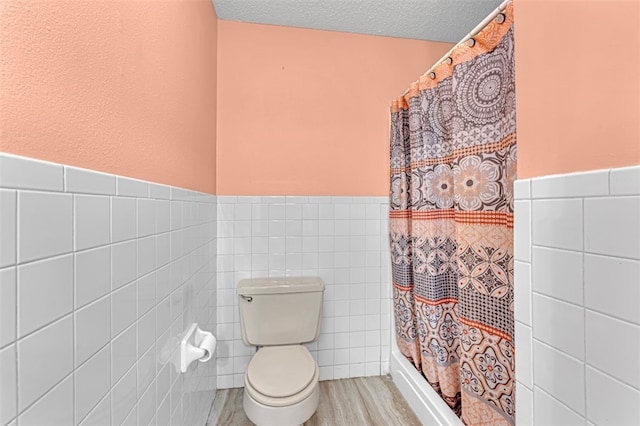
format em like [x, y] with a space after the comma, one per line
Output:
[437, 20]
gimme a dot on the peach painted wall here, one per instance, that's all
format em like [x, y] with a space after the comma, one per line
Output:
[306, 112]
[578, 85]
[125, 87]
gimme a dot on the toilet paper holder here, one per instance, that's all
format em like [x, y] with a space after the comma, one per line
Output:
[195, 345]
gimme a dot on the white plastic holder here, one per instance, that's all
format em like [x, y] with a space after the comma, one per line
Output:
[202, 348]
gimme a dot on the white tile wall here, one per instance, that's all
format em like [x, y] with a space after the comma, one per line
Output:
[100, 271]
[7, 227]
[610, 402]
[97, 273]
[341, 239]
[582, 289]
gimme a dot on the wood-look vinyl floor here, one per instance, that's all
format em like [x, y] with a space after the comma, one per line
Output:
[347, 402]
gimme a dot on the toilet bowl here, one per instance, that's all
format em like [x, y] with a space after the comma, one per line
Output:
[281, 381]
[281, 386]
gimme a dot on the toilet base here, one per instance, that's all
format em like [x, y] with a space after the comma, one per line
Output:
[291, 415]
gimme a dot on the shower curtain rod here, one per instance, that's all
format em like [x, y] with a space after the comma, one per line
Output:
[497, 13]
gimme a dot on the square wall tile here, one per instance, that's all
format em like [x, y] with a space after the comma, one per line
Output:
[560, 375]
[559, 324]
[92, 382]
[8, 378]
[92, 328]
[8, 221]
[241, 211]
[176, 215]
[522, 231]
[146, 297]
[43, 235]
[620, 361]
[524, 355]
[35, 377]
[123, 219]
[522, 289]
[610, 402]
[92, 221]
[147, 406]
[123, 308]
[163, 216]
[558, 273]
[146, 255]
[45, 292]
[163, 249]
[146, 370]
[612, 286]
[8, 305]
[123, 397]
[55, 408]
[524, 405]
[612, 226]
[550, 411]
[163, 381]
[146, 217]
[132, 418]
[146, 331]
[123, 353]
[92, 274]
[101, 414]
[557, 223]
[124, 263]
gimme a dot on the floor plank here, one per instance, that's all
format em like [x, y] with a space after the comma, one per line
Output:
[366, 401]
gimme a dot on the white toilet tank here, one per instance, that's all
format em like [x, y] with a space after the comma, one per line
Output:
[280, 311]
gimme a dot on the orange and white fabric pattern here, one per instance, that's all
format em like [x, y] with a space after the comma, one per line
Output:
[453, 163]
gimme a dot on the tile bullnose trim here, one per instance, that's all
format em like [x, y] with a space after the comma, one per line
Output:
[30, 173]
[522, 189]
[582, 184]
[20, 172]
[584, 230]
[84, 181]
[625, 181]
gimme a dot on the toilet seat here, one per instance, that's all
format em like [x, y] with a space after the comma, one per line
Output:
[279, 376]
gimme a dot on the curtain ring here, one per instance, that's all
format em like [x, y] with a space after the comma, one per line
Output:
[500, 18]
[449, 60]
[471, 42]
[432, 75]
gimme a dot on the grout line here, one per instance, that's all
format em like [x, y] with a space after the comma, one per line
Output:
[611, 316]
[47, 392]
[559, 401]
[562, 351]
[17, 298]
[611, 256]
[610, 377]
[74, 204]
[531, 310]
[555, 299]
[584, 310]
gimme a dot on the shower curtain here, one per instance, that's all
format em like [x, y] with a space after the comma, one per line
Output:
[453, 163]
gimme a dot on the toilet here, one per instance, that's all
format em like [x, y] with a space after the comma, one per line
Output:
[279, 315]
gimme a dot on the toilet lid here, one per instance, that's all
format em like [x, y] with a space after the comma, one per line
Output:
[281, 371]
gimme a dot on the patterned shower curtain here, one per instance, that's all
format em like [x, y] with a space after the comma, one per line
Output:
[453, 163]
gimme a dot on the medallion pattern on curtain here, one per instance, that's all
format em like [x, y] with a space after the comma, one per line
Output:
[453, 163]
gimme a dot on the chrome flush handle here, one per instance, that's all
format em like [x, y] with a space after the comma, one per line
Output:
[247, 298]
